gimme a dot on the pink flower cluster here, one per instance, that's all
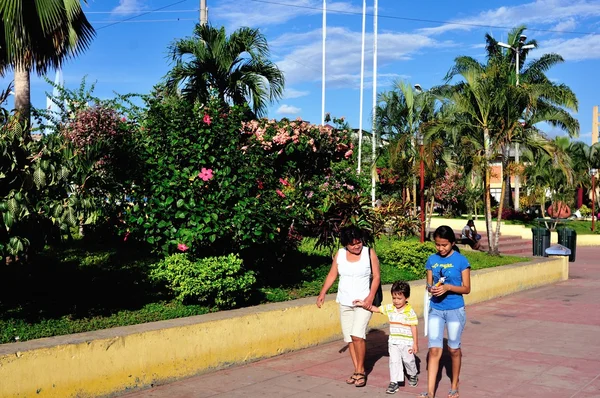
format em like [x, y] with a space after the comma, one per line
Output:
[275, 136]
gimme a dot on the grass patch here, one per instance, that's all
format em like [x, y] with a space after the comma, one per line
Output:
[83, 287]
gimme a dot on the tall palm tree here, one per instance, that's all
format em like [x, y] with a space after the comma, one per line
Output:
[400, 113]
[39, 35]
[499, 113]
[235, 69]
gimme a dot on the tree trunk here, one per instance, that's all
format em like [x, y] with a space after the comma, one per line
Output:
[505, 163]
[499, 218]
[22, 96]
[487, 192]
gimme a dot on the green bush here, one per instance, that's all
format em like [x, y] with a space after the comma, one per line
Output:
[221, 281]
[408, 256]
[585, 211]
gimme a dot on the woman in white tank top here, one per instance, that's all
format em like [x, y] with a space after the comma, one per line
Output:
[354, 268]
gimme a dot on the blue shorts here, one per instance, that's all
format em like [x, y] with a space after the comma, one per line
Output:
[453, 320]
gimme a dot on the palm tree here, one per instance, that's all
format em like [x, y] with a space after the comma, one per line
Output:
[494, 112]
[400, 113]
[235, 69]
[39, 35]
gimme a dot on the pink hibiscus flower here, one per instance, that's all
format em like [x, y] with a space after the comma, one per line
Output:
[280, 193]
[206, 119]
[205, 174]
[182, 247]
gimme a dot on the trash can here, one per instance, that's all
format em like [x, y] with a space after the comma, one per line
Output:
[541, 241]
[568, 238]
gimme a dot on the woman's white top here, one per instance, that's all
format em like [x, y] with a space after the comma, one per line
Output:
[355, 277]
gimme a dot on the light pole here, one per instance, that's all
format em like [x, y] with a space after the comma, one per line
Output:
[520, 46]
[421, 175]
[593, 173]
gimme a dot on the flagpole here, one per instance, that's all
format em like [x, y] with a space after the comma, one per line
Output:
[373, 130]
[323, 66]
[362, 86]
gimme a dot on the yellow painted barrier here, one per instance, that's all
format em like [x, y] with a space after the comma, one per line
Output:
[115, 360]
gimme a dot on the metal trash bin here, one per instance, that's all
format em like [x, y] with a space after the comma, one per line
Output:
[541, 241]
[568, 238]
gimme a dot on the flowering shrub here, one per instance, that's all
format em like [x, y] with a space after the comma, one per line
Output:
[449, 191]
[211, 184]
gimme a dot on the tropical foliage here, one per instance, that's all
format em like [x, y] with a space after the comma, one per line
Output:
[234, 69]
[39, 35]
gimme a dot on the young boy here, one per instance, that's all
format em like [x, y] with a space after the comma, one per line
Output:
[402, 343]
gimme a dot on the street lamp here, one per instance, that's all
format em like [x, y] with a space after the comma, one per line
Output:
[419, 89]
[520, 46]
[593, 174]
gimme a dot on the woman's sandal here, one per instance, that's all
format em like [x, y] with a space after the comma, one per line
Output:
[424, 395]
[361, 380]
[351, 379]
[453, 394]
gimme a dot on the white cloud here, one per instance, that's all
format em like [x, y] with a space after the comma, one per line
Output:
[288, 110]
[293, 93]
[575, 49]
[303, 63]
[565, 26]
[536, 12]
[128, 7]
[249, 13]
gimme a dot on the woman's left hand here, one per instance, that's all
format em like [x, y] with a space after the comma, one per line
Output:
[440, 290]
[367, 302]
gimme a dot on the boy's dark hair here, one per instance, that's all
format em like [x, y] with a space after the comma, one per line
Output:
[350, 234]
[401, 287]
[445, 232]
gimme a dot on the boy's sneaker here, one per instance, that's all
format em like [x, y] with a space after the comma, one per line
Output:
[413, 381]
[392, 388]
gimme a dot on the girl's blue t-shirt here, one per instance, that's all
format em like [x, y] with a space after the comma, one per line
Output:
[451, 268]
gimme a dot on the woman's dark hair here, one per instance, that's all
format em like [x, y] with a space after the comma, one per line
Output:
[445, 232]
[401, 287]
[350, 234]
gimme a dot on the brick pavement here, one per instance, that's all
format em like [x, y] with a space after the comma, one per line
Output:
[542, 342]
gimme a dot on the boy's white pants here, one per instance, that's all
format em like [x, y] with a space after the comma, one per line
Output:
[399, 355]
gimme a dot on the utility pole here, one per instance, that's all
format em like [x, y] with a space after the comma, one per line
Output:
[203, 12]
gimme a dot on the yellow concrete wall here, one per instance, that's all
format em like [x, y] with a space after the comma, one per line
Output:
[107, 361]
[511, 230]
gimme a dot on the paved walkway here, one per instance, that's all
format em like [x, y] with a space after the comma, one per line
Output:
[543, 342]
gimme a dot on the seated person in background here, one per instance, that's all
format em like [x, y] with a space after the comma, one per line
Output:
[470, 235]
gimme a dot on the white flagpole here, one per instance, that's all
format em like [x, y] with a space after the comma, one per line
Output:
[362, 85]
[323, 67]
[373, 131]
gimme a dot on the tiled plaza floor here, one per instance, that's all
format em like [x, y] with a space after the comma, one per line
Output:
[542, 343]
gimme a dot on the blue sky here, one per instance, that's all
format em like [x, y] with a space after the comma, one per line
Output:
[417, 42]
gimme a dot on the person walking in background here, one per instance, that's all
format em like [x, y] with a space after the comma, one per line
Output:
[447, 306]
[354, 264]
[403, 338]
[470, 235]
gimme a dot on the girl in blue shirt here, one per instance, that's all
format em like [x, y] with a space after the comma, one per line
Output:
[447, 307]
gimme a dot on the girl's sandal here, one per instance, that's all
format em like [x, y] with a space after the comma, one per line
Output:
[351, 379]
[361, 380]
[424, 395]
[453, 394]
